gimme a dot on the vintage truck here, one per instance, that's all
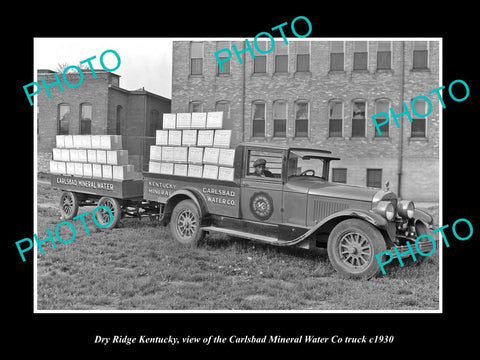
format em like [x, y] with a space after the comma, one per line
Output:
[296, 205]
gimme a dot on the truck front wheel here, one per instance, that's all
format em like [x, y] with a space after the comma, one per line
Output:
[185, 223]
[352, 246]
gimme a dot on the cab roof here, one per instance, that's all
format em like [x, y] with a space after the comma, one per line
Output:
[303, 152]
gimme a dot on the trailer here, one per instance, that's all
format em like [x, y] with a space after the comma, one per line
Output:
[124, 198]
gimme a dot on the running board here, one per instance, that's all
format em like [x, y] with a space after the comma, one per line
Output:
[242, 234]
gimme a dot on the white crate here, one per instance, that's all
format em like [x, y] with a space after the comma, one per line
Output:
[60, 141]
[180, 154]
[210, 156]
[70, 168]
[82, 155]
[97, 171]
[78, 170]
[174, 137]
[184, 120]
[205, 138]
[77, 141]
[195, 170]
[161, 137]
[226, 173]
[57, 154]
[169, 121]
[155, 153]
[65, 154]
[53, 167]
[111, 142]
[74, 155]
[180, 169]
[189, 137]
[122, 172]
[87, 170]
[226, 157]
[210, 171]
[117, 157]
[107, 172]
[195, 155]
[102, 156]
[91, 156]
[215, 120]
[199, 120]
[167, 153]
[62, 167]
[68, 141]
[96, 141]
[154, 167]
[222, 138]
[86, 141]
[166, 168]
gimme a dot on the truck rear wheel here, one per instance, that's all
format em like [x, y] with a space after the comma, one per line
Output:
[185, 223]
[352, 246]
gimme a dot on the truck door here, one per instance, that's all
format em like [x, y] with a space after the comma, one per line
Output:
[261, 192]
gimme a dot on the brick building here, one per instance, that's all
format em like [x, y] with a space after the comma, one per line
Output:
[98, 106]
[323, 94]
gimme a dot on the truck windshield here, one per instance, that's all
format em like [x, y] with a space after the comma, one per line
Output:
[305, 164]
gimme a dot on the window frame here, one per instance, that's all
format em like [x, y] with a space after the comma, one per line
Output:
[264, 120]
[360, 52]
[330, 118]
[269, 152]
[302, 120]
[367, 178]
[59, 120]
[331, 53]
[384, 52]
[416, 118]
[277, 103]
[376, 136]
[344, 169]
[356, 120]
[82, 120]
[298, 53]
[427, 60]
[197, 58]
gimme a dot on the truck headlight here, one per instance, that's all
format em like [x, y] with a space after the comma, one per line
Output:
[406, 208]
[386, 209]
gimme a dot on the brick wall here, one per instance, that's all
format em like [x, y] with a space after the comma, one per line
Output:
[318, 87]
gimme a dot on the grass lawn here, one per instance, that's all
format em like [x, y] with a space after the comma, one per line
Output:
[138, 266]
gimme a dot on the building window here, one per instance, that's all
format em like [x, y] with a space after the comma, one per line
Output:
[156, 122]
[335, 118]
[339, 175]
[280, 118]
[226, 64]
[382, 105]
[384, 55]
[418, 126]
[281, 57]
[260, 61]
[358, 118]
[196, 58]
[85, 119]
[360, 55]
[374, 178]
[63, 119]
[337, 55]
[224, 106]
[258, 121]
[301, 119]
[420, 55]
[195, 106]
[303, 56]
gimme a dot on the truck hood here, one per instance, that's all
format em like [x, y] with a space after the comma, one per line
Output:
[335, 190]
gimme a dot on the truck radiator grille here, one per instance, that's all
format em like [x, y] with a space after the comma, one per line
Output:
[322, 208]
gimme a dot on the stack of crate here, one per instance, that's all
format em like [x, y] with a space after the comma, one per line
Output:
[91, 156]
[193, 145]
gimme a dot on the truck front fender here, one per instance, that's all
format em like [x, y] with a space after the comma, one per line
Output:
[182, 194]
[332, 220]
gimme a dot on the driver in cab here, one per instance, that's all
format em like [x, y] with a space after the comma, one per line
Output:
[260, 168]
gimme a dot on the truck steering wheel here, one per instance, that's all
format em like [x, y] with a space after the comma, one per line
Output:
[304, 173]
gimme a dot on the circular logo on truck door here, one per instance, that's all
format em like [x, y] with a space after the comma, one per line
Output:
[261, 205]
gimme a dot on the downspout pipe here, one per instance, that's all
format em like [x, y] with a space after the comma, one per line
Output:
[400, 143]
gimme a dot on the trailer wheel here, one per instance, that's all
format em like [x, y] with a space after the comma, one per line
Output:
[352, 246]
[103, 216]
[185, 223]
[68, 205]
